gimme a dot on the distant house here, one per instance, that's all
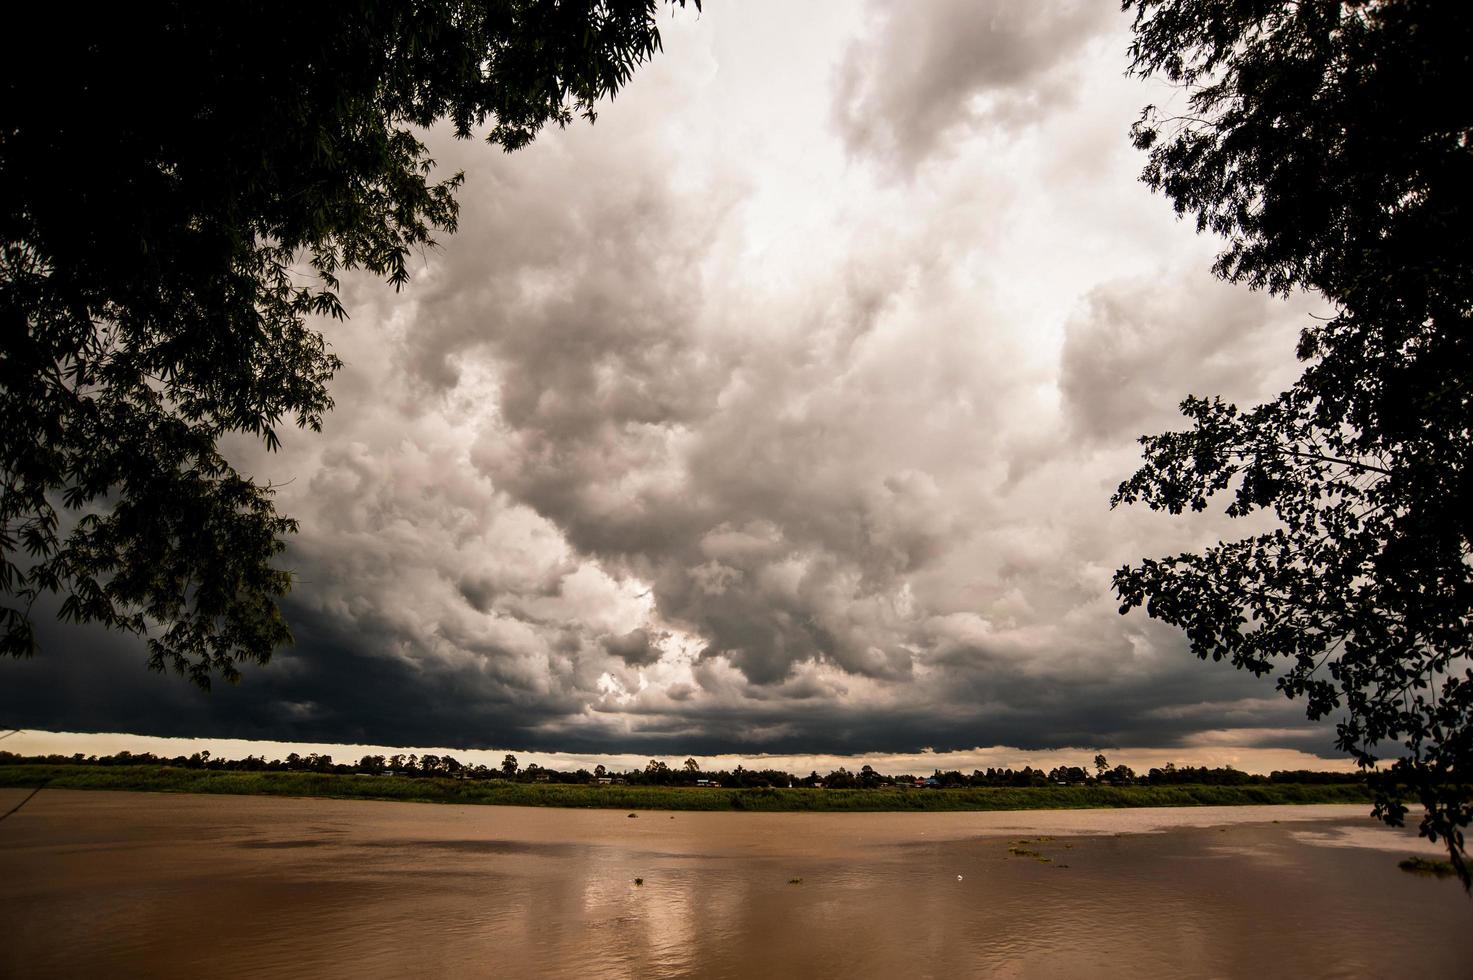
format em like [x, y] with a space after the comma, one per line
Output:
[603, 780]
[706, 782]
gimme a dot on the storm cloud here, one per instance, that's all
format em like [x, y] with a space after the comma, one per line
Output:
[924, 72]
[708, 434]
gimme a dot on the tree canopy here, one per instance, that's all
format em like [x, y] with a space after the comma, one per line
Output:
[183, 185]
[1326, 142]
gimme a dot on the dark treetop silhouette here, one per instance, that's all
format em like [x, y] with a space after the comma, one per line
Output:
[183, 184]
[1325, 142]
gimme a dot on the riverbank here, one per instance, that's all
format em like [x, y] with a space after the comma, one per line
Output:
[167, 779]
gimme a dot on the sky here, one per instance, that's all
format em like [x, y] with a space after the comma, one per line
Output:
[776, 415]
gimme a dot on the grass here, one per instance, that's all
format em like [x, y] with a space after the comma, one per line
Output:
[166, 779]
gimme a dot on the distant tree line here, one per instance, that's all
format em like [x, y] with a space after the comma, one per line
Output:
[690, 773]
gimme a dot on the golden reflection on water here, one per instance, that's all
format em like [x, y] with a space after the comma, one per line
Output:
[121, 884]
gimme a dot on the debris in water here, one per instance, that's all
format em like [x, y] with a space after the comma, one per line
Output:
[1424, 866]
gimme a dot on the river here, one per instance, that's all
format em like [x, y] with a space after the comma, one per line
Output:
[112, 884]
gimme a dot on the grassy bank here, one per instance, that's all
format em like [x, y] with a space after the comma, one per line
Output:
[165, 779]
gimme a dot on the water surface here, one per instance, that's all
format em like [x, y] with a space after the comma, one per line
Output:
[138, 884]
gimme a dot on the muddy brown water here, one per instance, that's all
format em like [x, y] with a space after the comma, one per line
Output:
[150, 885]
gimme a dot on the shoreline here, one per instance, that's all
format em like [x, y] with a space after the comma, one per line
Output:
[321, 822]
[402, 789]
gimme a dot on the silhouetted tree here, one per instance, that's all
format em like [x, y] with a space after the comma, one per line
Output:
[1322, 140]
[184, 184]
[840, 778]
[509, 766]
[1068, 774]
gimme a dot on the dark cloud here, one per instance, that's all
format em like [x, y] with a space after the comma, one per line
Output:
[335, 685]
[926, 70]
[637, 648]
[342, 688]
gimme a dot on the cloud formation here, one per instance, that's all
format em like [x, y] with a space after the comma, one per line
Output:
[705, 435]
[925, 71]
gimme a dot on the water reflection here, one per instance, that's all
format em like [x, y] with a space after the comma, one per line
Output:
[138, 885]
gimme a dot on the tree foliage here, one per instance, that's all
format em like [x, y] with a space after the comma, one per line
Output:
[1328, 142]
[183, 185]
